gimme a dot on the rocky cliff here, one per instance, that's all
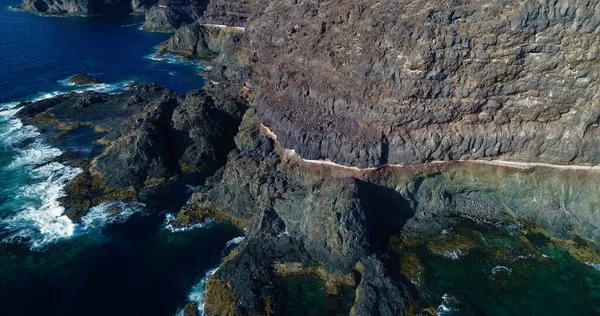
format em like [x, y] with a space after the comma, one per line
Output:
[169, 15]
[366, 83]
[228, 12]
[368, 122]
[142, 141]
[399, 119]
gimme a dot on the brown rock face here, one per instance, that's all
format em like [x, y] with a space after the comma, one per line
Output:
[228, 12]
[367, 83]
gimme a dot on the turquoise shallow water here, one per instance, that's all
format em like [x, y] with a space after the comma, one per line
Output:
[495, 271]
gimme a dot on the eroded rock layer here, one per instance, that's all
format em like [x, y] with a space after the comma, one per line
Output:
[228, 12]
[367, 83]
[169, 15]
[376, 84]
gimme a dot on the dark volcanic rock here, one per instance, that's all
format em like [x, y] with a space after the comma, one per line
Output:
[189, 40]
[143, 149]
[228, 12]
[364, 83]
[83, 79]
[295, 218]
[169, 15]
[379, 293]
[150, 136]
[341, 219]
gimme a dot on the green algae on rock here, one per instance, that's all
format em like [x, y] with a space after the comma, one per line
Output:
[504, 265]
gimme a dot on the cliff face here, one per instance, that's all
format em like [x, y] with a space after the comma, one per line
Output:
[366, 83]
[228, 12]
[169, 15]
[370, 84]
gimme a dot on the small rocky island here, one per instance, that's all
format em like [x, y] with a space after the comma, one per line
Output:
[346, 137]
[83, 79]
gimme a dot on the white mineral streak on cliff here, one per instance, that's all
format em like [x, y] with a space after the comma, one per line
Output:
[501, 163]
[222, 26]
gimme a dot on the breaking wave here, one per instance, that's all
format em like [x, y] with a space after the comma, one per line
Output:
[34, 215]
[197, 292]
[448, 306]
[169, 218]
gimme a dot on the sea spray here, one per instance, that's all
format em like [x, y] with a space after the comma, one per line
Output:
[448, 306]
[109, 213]
[198, 291]
[36, 217]
[170, 218]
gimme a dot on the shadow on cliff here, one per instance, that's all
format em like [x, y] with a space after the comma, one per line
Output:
[387, 212]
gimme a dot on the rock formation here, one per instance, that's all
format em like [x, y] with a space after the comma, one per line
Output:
[378, 119]
[366, 83]
[368, 121]
[228, 12]
[169, 15]
[145, 136]
[83, 79]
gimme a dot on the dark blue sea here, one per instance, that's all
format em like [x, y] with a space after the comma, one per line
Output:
[131, 264]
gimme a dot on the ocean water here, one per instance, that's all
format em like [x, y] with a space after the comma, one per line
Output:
[501, 271]
[130, 264]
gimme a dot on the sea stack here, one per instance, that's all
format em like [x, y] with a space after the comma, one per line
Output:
[83, 79]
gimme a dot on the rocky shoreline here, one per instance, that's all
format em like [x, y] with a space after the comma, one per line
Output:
[324, 156]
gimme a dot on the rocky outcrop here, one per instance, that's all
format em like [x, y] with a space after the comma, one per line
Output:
[414, 90]
[340, 219]
[297, 219]
[144, 137]
[85, 8]
[368, 84]
[169, 15]
[228, 12]
[83, 79]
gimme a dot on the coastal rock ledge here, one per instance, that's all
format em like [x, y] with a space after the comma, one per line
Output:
[341, 129]
[377, 121]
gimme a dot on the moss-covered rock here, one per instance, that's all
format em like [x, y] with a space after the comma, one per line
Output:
[219, 298]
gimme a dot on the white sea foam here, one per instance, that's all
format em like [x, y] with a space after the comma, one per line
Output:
[454, 255]
[133, 24]
[38, 218]
[197, 292]
[100, 87]
[501, 269]
[169, 218]
[234, 242]
[448, 306]
[109, 213]
[596, 266]
[41, 220]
